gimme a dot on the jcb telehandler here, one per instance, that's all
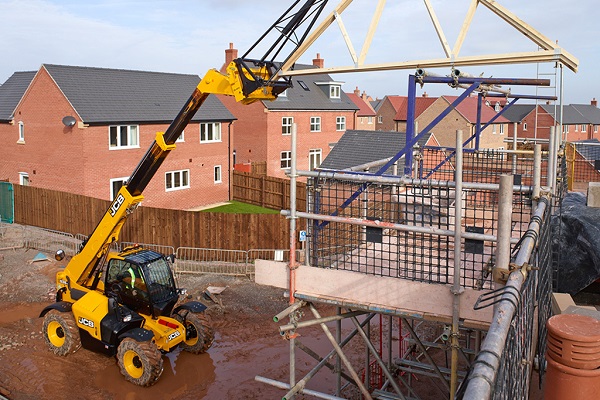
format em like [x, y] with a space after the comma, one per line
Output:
[126, 303]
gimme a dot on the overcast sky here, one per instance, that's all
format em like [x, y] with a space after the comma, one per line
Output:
[190, 36]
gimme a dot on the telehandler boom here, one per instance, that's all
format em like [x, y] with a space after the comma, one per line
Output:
[126, 303]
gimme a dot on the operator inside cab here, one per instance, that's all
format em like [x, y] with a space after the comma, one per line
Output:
[126, 278]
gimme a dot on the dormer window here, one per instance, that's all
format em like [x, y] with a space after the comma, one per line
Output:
[334, 92]
[497, 107]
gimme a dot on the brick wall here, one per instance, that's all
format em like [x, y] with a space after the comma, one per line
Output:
[78, 160]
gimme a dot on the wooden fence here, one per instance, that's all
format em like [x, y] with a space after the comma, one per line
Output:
[266, 191]
[75, 214]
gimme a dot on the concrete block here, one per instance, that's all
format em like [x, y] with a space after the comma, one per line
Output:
[560, 302]
[593, 195]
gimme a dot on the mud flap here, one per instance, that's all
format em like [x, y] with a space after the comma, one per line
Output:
[193, 306]
[62, 306]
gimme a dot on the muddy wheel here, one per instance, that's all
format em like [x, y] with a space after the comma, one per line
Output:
[198, 331]
[61, 332]
[140, 362]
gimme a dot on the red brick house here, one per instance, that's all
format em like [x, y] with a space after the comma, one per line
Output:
[464, 117]
[317, 105]
[387, 109]
[366, 115]
[84, 130]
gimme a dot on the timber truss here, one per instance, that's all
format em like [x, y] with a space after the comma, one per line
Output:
[548, 51]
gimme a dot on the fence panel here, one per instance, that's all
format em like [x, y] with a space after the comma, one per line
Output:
[212, 261]
[267, 191]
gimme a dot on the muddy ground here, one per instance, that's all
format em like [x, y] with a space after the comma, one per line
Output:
[247, 343]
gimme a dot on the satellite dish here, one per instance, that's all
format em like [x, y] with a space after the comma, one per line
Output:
[68, 121]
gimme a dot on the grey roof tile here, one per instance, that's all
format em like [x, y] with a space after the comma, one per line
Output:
[589, 112]
[102, 95]
[517, 112]
[12, 91]
[315, 97]
[357, 147]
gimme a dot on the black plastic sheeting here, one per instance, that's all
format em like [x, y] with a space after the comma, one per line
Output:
[578, 241]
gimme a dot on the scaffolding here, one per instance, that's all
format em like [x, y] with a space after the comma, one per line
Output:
[428, 260]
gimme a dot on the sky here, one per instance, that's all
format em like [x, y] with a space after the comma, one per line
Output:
[190, 36]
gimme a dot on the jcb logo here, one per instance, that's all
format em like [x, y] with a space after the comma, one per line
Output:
[114, 207]
[86, 322]
[173, 335]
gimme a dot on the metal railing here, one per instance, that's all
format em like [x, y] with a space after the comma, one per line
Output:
[188, 259]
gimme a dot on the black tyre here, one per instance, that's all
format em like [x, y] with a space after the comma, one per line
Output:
[199, 333]
[140, 362]
[61, 332]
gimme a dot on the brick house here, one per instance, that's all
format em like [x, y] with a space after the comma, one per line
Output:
[365, 117]
[580, 121]
[84, 130]
[387, 109]
[464, 117]
[316, 104]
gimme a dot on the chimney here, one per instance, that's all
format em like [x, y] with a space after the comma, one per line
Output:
[230, 54]
[318, 62]
[357, 92]
[594, 102]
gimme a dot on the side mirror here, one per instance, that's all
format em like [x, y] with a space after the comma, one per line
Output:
[59, 255]
[171, 258]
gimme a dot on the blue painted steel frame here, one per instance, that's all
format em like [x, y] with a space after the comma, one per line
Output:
[411, 139]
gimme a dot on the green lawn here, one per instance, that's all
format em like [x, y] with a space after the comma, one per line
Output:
[237, 207]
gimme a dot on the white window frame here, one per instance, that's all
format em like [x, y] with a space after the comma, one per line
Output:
[370, 120]
[595, 128]
[524, 126]
[286, 125]
[335, 92]
[130, 135]
[218, 174]
[123, 180]
[181, 137]
[23, 179]
[494, 131]
[285, 159]
[565, 128]
[583, 128]
[340, 123]
[178, 180]
[576, 128]
[315, 124]
[216, 131]
[315, 155]
[21, 132]
[380, 119]
[502, 130]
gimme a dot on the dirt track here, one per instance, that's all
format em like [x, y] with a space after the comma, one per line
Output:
[247, 343]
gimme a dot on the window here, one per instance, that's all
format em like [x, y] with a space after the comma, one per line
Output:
[123, 137]
[23, 178]
[334, 92]
[286, 125]
[583, 128]
[565, 128]
[218, 178]
[340, 123]
[314, 158]
[21, 132]
[494, 129]
[116, 184]
[524, 126]
[181, 137]
[576, 128]
[315, 124]
[502, 129]
[380, 119]
[176, 180]
[497, 107]
[210, 132]
[595, 128]
[286, 159]
[303, 85]
[370, 120]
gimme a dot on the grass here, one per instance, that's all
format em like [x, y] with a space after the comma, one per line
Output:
[237, 207]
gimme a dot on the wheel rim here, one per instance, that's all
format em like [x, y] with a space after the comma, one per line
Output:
[56, 334]
[133, 365]
[191, 334]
